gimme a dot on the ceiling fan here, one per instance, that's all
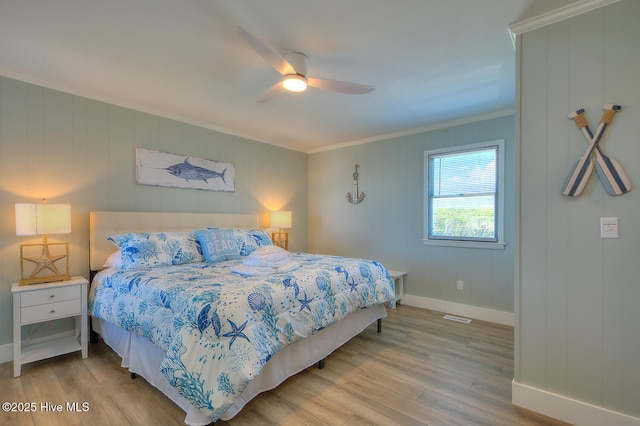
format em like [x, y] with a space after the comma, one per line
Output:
[293, 67]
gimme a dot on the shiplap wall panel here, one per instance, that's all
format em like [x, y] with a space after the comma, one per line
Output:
[583, 342]
[558, 129]
[533, 225]
[98, 155]
[584, 258]
[621, 257]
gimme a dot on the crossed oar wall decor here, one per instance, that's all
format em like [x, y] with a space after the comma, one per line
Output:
[610, 172]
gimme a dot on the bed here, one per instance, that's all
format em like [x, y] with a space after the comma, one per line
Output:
[209, 333]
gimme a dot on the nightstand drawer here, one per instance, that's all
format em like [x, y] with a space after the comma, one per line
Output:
[50, 311]
[50, 295]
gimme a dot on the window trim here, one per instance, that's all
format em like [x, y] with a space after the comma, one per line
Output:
[450, 242]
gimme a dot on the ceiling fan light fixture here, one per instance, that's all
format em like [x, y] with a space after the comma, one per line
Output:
[295, 83]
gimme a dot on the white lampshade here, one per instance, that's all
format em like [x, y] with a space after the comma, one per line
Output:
[280, 220]
[43, 219]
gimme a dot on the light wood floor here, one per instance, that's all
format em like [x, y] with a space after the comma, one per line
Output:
[421, 370]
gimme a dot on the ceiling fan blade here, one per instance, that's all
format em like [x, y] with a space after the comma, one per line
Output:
[275, 60]
[272, 92]
[340, 86]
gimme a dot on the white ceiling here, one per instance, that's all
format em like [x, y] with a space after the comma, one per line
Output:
[432, 61]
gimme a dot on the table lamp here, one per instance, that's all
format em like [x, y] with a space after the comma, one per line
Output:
[280, 220]
[43, 219]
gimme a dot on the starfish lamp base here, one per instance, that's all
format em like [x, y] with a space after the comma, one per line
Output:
[45, 269]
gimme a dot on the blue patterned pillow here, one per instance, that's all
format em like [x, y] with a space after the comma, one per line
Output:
[218, 244]
[148, 250]
[250, 240]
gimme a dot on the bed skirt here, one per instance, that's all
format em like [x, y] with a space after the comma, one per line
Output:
[143, 358]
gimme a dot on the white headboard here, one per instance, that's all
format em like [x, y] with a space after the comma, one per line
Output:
[104, 224]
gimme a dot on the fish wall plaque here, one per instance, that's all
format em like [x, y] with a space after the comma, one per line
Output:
[179, 171]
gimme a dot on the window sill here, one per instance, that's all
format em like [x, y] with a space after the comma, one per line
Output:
[464, 244]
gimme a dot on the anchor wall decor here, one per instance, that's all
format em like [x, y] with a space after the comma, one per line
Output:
[353, 197]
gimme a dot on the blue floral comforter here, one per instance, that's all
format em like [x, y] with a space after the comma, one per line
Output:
[218, 329]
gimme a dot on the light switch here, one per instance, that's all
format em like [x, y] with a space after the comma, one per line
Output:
[608, 227]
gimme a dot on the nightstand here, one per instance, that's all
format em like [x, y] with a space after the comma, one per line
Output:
[398, 280]
[45, 302]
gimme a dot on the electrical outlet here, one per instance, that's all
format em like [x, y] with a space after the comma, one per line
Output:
[460, 285]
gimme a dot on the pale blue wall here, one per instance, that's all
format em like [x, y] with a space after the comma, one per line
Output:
[388, 225]
[75, 150]
[578, 316]
[78, 151]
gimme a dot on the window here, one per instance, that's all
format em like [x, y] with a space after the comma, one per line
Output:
[464, 195]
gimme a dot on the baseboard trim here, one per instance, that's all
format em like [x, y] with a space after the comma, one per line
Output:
[459, 309]
[6, 353]
[567, 409]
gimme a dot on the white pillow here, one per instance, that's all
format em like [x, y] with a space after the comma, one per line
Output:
[114, 260]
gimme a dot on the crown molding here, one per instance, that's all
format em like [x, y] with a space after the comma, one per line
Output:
[557, 15]
[417, 130]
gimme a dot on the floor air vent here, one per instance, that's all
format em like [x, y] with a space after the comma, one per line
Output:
[457, 319]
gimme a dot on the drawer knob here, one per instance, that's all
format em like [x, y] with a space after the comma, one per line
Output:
[51, 296]
[53, 311]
